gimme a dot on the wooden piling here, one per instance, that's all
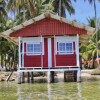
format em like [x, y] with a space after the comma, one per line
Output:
[48, 76]
[69, 76]
[75, 76]
[32, 77]
[64, 76]
[23, 77]
[19, 77]
[28, 77]
[52, 76]
[79, 75]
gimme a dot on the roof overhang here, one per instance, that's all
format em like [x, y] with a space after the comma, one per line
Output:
[82, 38]
[12, 39]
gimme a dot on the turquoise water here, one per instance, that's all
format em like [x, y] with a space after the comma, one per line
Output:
[55, 91]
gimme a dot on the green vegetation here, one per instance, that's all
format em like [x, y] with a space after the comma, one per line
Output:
[89, 51]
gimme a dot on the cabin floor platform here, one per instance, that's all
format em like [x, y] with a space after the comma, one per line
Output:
[76, 73]
[45, 69]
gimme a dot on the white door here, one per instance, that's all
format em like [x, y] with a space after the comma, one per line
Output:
[49, 53]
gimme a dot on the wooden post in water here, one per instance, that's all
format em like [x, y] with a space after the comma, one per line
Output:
[19, 77]
[32, 77]
[52, 77]
[48, 76]
[75, 76]
[79, 75]
[64, 76]
[28, 77]
[23, 77]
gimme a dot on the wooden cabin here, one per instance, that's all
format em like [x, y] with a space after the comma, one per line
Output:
[49, 43]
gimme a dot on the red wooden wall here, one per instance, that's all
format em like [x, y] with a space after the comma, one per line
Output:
[66, 59]
[31, 61]
[61, 60]
[35, 61]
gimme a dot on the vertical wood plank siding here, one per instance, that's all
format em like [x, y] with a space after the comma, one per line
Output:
[30, 60]
[52, 42]
[35, 60]
[66, 59]
[61, 60]
[45, 57]
[46, 27]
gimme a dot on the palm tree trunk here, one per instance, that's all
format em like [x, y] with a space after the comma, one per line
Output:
[14, 57]
[93, 61]
[23, 10]
[96, 30]
[2, 60]
[59, 13]
[32, 8]
[96, 25]
[5, 61]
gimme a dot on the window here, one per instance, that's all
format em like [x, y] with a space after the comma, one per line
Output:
[65, 48]
[37, 48]
[29, 48]
[33, 49]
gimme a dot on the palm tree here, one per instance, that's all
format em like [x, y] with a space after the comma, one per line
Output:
[26, 9]
[36, 7]
[94, 3]
[90, 50]
[22, 6]
[8, 53]
[43, 6]
[3, 13]
[60, 7]
[40, 6]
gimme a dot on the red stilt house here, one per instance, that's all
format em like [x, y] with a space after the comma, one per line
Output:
[50, 42]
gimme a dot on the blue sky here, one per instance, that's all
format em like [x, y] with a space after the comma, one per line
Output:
[83, 11]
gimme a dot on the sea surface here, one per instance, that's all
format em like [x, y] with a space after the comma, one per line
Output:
[86, 90]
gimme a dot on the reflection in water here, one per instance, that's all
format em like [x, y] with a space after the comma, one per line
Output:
[49, 92]
[19, 93]
[54, 91]
[79, 88]
[22, 93]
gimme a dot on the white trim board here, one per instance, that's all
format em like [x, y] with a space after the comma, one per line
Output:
[49, 53]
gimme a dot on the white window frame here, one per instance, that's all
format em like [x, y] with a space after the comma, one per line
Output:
[65, 52]
[33, 53]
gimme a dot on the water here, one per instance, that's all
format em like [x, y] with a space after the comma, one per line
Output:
[55, 91]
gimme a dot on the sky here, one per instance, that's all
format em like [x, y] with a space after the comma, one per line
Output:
[83, 11]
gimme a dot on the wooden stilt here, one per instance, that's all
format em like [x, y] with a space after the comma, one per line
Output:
[19, 78]
[23, 77]
[75, 76]
[79, 75]
[48, 76]
[64, 76]
[28, 77]
[52, 77]
[32, 77]
[69, 76]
